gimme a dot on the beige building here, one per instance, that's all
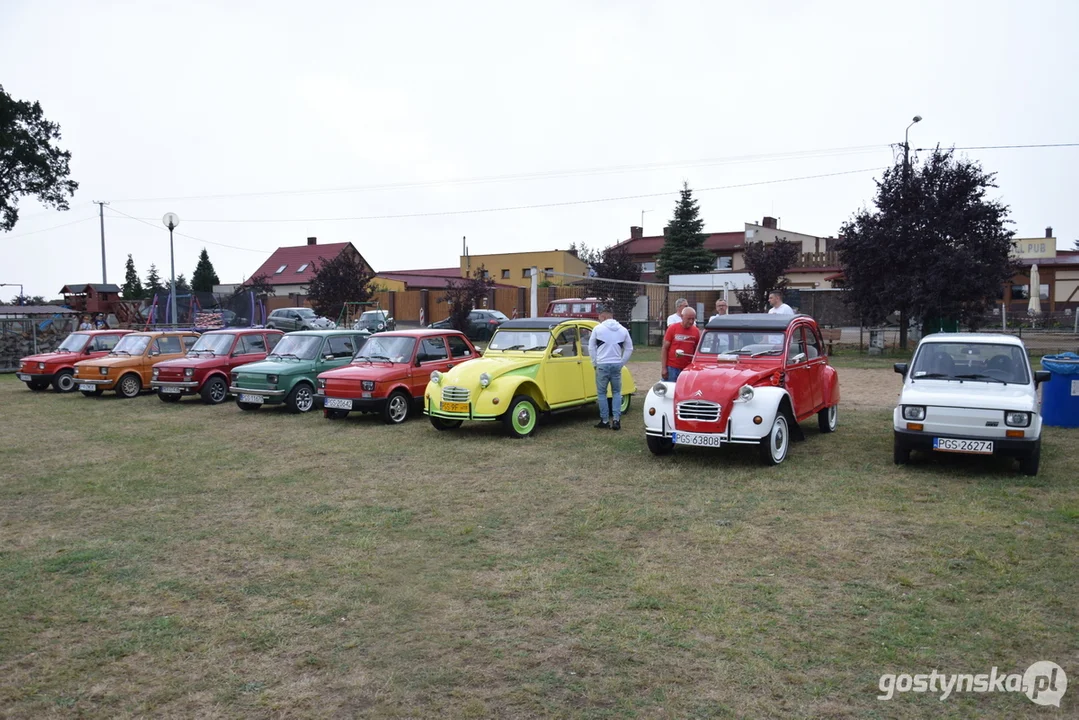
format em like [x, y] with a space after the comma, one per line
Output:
[514, 268]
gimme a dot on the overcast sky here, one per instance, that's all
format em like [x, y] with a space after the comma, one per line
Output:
[576, 101]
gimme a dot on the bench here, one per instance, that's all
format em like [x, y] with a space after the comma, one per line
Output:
[831, 336]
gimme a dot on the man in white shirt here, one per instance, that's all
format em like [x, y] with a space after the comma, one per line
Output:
[609, 346]
[775, 299]
[721, 309]
[676, 316]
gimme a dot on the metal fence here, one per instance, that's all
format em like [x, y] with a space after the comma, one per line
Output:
[20, 337]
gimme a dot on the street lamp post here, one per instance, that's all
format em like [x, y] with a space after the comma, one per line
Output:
[22, 299]
[906, 145]
[171, 220]
[903, 320]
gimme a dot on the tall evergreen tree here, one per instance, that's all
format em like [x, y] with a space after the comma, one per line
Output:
[182, 286]
[683, 248]
[132, 288]
[153, 282]
[204, 278]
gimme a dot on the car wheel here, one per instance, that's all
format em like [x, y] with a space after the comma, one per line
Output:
[900, 452]
[248, 407]
[397, 408]
[444, 424]
[828, 418]
[659, 446]
[92, 393]
[168, 397]
[64, 382]
[520, 420]
[1028, 464]
[301, 399]
[333, 414]
[775, 444]
[37, 385]
[214, 391]
[130, 386]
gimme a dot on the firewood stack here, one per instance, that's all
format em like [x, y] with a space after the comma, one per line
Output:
[209, 320]
[17, 339]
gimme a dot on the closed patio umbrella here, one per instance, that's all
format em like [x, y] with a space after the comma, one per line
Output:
[1034, 305]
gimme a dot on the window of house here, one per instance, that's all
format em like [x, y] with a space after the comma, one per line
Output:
[548, 271]
[724, 262]
[280, 269]
[648, 267]
[486, 275]
[527, 272]
[302, 267]
[505, 274]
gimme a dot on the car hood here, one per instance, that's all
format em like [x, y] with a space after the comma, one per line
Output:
[467, 374]
[719, 383]
[114, 361]
[969, 394]
[53, 357]
[277, 367]
[382, 371]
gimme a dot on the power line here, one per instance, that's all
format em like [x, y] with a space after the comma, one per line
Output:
[534, 207]
[1007, 147]
[616, 169]
[189, 237]
[53, 227]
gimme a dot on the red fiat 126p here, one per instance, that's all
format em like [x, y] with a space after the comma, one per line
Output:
[754, 380]
[58, 367]
[205, 370]
[390, 373]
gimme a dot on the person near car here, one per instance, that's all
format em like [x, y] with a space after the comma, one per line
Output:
[676, 317]
[721, 309]
[684, 336]
[86, 324]
[609, 346]
[775, 299]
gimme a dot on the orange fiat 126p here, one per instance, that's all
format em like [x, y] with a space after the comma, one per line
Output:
[128, 368]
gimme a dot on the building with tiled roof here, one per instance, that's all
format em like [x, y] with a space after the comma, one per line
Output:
[290, 269]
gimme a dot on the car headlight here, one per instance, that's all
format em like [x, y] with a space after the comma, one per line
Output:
[367, 384]
[188, 372]
[104, 371]
[156, 371]
[272, 379]
[233, 377]
[914, 412]
[41, 366]
[745, 393]
[76, 370]
[1017, 419]
[436, 377]
[321, 383]
[485, 379]
[660, 389]
[381, 325]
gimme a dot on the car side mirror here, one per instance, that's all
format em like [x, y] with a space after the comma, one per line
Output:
[679, 352]
[900, 368]
[1041, 376]
[328, 356]
[799, 358]
[557, 352]
[419, 361]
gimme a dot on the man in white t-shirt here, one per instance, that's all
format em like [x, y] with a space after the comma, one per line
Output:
[676, 316]
[775, 299]
[721, 309]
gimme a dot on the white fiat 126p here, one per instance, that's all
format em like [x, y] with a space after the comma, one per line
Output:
[970, 393]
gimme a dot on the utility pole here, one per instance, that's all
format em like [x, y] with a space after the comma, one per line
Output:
[903, 320]
[101, 213]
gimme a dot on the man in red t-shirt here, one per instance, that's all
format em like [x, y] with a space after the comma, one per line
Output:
[682, 336]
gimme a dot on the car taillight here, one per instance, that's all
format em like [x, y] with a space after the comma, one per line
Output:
[492, 322]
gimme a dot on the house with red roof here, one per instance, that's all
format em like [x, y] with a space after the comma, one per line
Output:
[290, 269]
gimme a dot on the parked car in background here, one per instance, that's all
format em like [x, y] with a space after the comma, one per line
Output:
[482, 324]
[752, 381]
[973, 394]
[128, 368]
[298, 318]
[389, 373]
[205, 370]
[374, 321]
[288, 373]
[58, 367]
[531, 366]
[575, 307]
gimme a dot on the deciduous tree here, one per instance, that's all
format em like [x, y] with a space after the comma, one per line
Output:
[337, 281]
[683, 249]
[767, 263]
[612, 264]
[934, 245]
[464, 295]
[30, 162]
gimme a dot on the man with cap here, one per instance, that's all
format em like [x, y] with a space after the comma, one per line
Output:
[609, 346]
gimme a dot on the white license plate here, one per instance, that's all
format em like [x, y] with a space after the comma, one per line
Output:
[337, 404]
[24, 378]
[256, 399]
[976, 447]
[83, 387]
[698, 439]
[169, 390]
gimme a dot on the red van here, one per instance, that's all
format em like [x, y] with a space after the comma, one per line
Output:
[575, 308]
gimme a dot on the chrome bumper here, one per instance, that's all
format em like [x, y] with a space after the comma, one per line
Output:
[251, 391]
[83, 381]
[164, 383]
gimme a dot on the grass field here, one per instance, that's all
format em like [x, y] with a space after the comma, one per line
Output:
[187, 561]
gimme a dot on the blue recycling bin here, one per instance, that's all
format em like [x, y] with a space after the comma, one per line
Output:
[1060, 396]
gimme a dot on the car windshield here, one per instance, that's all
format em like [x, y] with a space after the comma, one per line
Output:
[387, 349]
[73, 343]
[747, 343]
[373, 316]
[498, 315]
[301, 347]
[970, 361]
[216, 344]
[520, 339]
[131, 345]
[306, 312]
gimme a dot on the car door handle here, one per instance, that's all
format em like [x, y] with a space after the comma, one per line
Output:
[449, 366]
